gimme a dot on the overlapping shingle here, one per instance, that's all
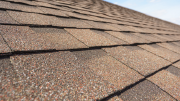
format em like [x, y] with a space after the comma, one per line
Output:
[90, 38]
[146, 91]
[58, 78]
[128, 37]
[30, 18]
[163, 52]
[112, 38]
[108, 67]
[3, 46]
[6, 18]
[168, 82]
[138, 59]
[23, 38]
[177, 64]
[170, 46]
[99, 25]
[86, 50]
[174, 70]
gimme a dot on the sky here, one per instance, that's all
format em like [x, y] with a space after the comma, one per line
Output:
[168, 10]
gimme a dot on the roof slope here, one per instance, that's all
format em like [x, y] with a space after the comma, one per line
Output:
[86, 50]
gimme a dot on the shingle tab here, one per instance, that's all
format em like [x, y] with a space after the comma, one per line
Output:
[6, 18]
[174, 70]
[99, 25]
[64, 22]
[161, 51]
[53, 11]
[149, 37]
[58, 78]
[30, 18]
[23, 38]
[8, 74]
[168, 82]
[128, 37]
[109, 68]
[137, 58]
[177, 64]
[112, 38]
[3, 46]
[90, 38]
[170, 46]
[145, 91]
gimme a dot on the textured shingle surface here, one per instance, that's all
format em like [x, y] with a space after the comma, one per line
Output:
[161, 51]
[86, 50]
[3, 46]
[168, 82]
[138, 59]
[145, 91]
[90, 38]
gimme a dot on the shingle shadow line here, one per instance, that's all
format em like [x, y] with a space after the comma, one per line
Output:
[5, 55]
[28, 52]
[58, 16]
[21, 3]
[39, 26]
[119, 92]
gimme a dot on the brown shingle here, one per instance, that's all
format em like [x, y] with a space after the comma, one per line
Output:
[174, 70]
[23, 38]
[177, 43]
[112, 38]
[168, 82]
[137, 58]
[90, 38]
[5, 18]
[109, 68]
[149, 37]
[99, 25]
[128, 37]
[145, 91]
[170, 46]
[3, 46]
[58, 78]
[53, 11]
[64, 22]
[177, 64]
[163, 52]
[30, 18]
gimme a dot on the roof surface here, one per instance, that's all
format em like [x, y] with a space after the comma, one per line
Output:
[86, 50]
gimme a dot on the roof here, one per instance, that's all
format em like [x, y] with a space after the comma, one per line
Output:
[86, 50]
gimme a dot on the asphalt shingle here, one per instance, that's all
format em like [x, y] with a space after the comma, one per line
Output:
[138, 59]
[99, 25]
[108, 67]
[58, 78]
[86, 50]
[128, 37]
[3, 46]
[90, 38]
[161, 51]
[177, 64]
[168, 82]
[112, 38]
[6, 18]
[174, 70]
[170, 46]
[145, 91]
[30, 18]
